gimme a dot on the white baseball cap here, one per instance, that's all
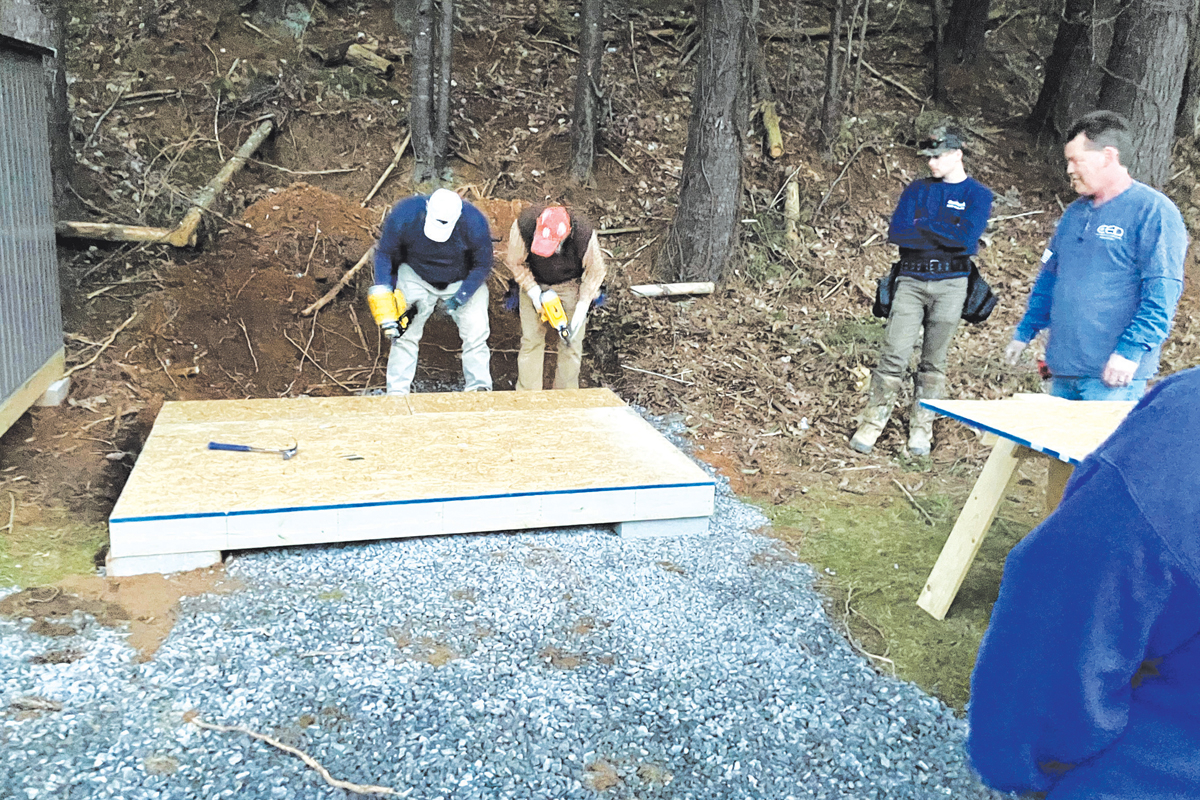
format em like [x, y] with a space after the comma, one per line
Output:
[442, 211]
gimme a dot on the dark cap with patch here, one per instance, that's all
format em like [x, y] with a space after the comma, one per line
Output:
[941, 140]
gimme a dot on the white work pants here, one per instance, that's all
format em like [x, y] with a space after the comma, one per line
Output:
[472, 321]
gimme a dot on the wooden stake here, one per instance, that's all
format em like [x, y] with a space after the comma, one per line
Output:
[387, 172]
[791, 210]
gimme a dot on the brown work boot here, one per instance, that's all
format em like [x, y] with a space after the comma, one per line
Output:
[881, 397]
[920, 422]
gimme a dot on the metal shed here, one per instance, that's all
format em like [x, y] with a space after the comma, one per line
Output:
[31, 340]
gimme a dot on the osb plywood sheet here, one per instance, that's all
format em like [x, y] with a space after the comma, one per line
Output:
[1065, 429]
[369, 452]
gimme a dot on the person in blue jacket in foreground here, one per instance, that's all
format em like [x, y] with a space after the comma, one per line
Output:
[438, 249]
[1087, 683]
[1111, 276]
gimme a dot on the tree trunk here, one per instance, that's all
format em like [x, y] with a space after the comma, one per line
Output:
[938, 12]
[403, 14]
[441, 102]
[1075, 67]
[587, 91]
[964, 33]
[420, 110]
[831, 107]
[1187, 121]
[1144, 80]
[703, 235]
[62, 160]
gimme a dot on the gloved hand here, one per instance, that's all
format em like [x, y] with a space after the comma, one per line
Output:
[455, 302]
[578, 318]
[1118, 371]
[1012, 353]
[535, 294]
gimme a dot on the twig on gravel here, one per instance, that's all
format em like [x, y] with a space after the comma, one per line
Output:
[103, 347]
[850, 637]
[914, 502]
[357, 788]
[658, 374]
[249, 346]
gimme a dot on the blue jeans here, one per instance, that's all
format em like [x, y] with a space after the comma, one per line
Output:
[1094, 389]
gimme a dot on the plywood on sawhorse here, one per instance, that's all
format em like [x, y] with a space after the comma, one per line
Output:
[1028, 426]
[387, 467]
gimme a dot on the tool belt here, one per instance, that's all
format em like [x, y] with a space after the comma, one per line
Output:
[935, 266]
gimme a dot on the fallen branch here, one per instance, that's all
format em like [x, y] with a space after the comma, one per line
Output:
[87, 142]
[841, 175]
[327, 298]
[104, 346]
[914, 502]
[615, 231]
[250, 347]
[390, 169]
[672, 289]
[891, 81]
[1015, 216]
[305, 355]
[657, 375]
[185, 233]
[357, 788]
[623, 165]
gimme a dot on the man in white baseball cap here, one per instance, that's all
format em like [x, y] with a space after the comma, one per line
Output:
[438, 249]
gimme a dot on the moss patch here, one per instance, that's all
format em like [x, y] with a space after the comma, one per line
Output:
[45, 545]
[873, 555]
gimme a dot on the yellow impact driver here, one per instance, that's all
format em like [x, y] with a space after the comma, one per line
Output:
[390, 310]
[554, 315]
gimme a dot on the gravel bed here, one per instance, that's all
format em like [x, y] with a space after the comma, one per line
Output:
[554, 664]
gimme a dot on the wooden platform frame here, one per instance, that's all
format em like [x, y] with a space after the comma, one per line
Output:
[401, 466]
[17, 403]
[1025, 427]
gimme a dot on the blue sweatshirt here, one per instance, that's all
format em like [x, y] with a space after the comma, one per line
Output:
[935, 219]
[466, 256]
[1092, 657]
[1109, 283]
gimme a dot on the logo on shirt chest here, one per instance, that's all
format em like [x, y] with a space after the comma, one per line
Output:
[957, 205]
[1111, 233]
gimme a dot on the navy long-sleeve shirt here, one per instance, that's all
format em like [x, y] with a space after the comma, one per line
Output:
[466, 256]
[1087, 683]
[934, 217]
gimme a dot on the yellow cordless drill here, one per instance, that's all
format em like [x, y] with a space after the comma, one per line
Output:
[390, 310]
[554, 315]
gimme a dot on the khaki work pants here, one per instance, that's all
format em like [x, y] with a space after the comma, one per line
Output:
[936, 307]
[532, 355]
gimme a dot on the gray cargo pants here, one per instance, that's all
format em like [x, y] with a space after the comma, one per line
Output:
[934, 305]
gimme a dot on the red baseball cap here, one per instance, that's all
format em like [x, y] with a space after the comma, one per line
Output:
[553, 225]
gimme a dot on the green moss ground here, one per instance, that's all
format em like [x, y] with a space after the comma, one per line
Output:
[873, 554]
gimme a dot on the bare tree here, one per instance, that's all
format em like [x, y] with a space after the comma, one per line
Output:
[938, 11]
[831, 106]
[587, 91]
[1075, 68]
[429, 108]
[963, 37]
[703, 236]
[1144, 80]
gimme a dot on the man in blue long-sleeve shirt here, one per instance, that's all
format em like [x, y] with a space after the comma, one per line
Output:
[1087, 684]
[1112, 276]
[432, 249]
[937, 225]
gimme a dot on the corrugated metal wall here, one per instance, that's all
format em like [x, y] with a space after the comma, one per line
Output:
[30, 317]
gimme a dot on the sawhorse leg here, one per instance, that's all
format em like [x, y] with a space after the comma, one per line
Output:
[967, 536]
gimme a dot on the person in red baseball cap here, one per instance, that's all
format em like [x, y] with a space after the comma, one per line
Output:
[550, 247]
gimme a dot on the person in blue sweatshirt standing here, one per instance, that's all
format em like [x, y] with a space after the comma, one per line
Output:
[1112, 275]
[1087, 683]
[937, 225]
[438, 249]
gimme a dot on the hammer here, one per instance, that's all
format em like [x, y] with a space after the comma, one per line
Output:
[245, 448]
